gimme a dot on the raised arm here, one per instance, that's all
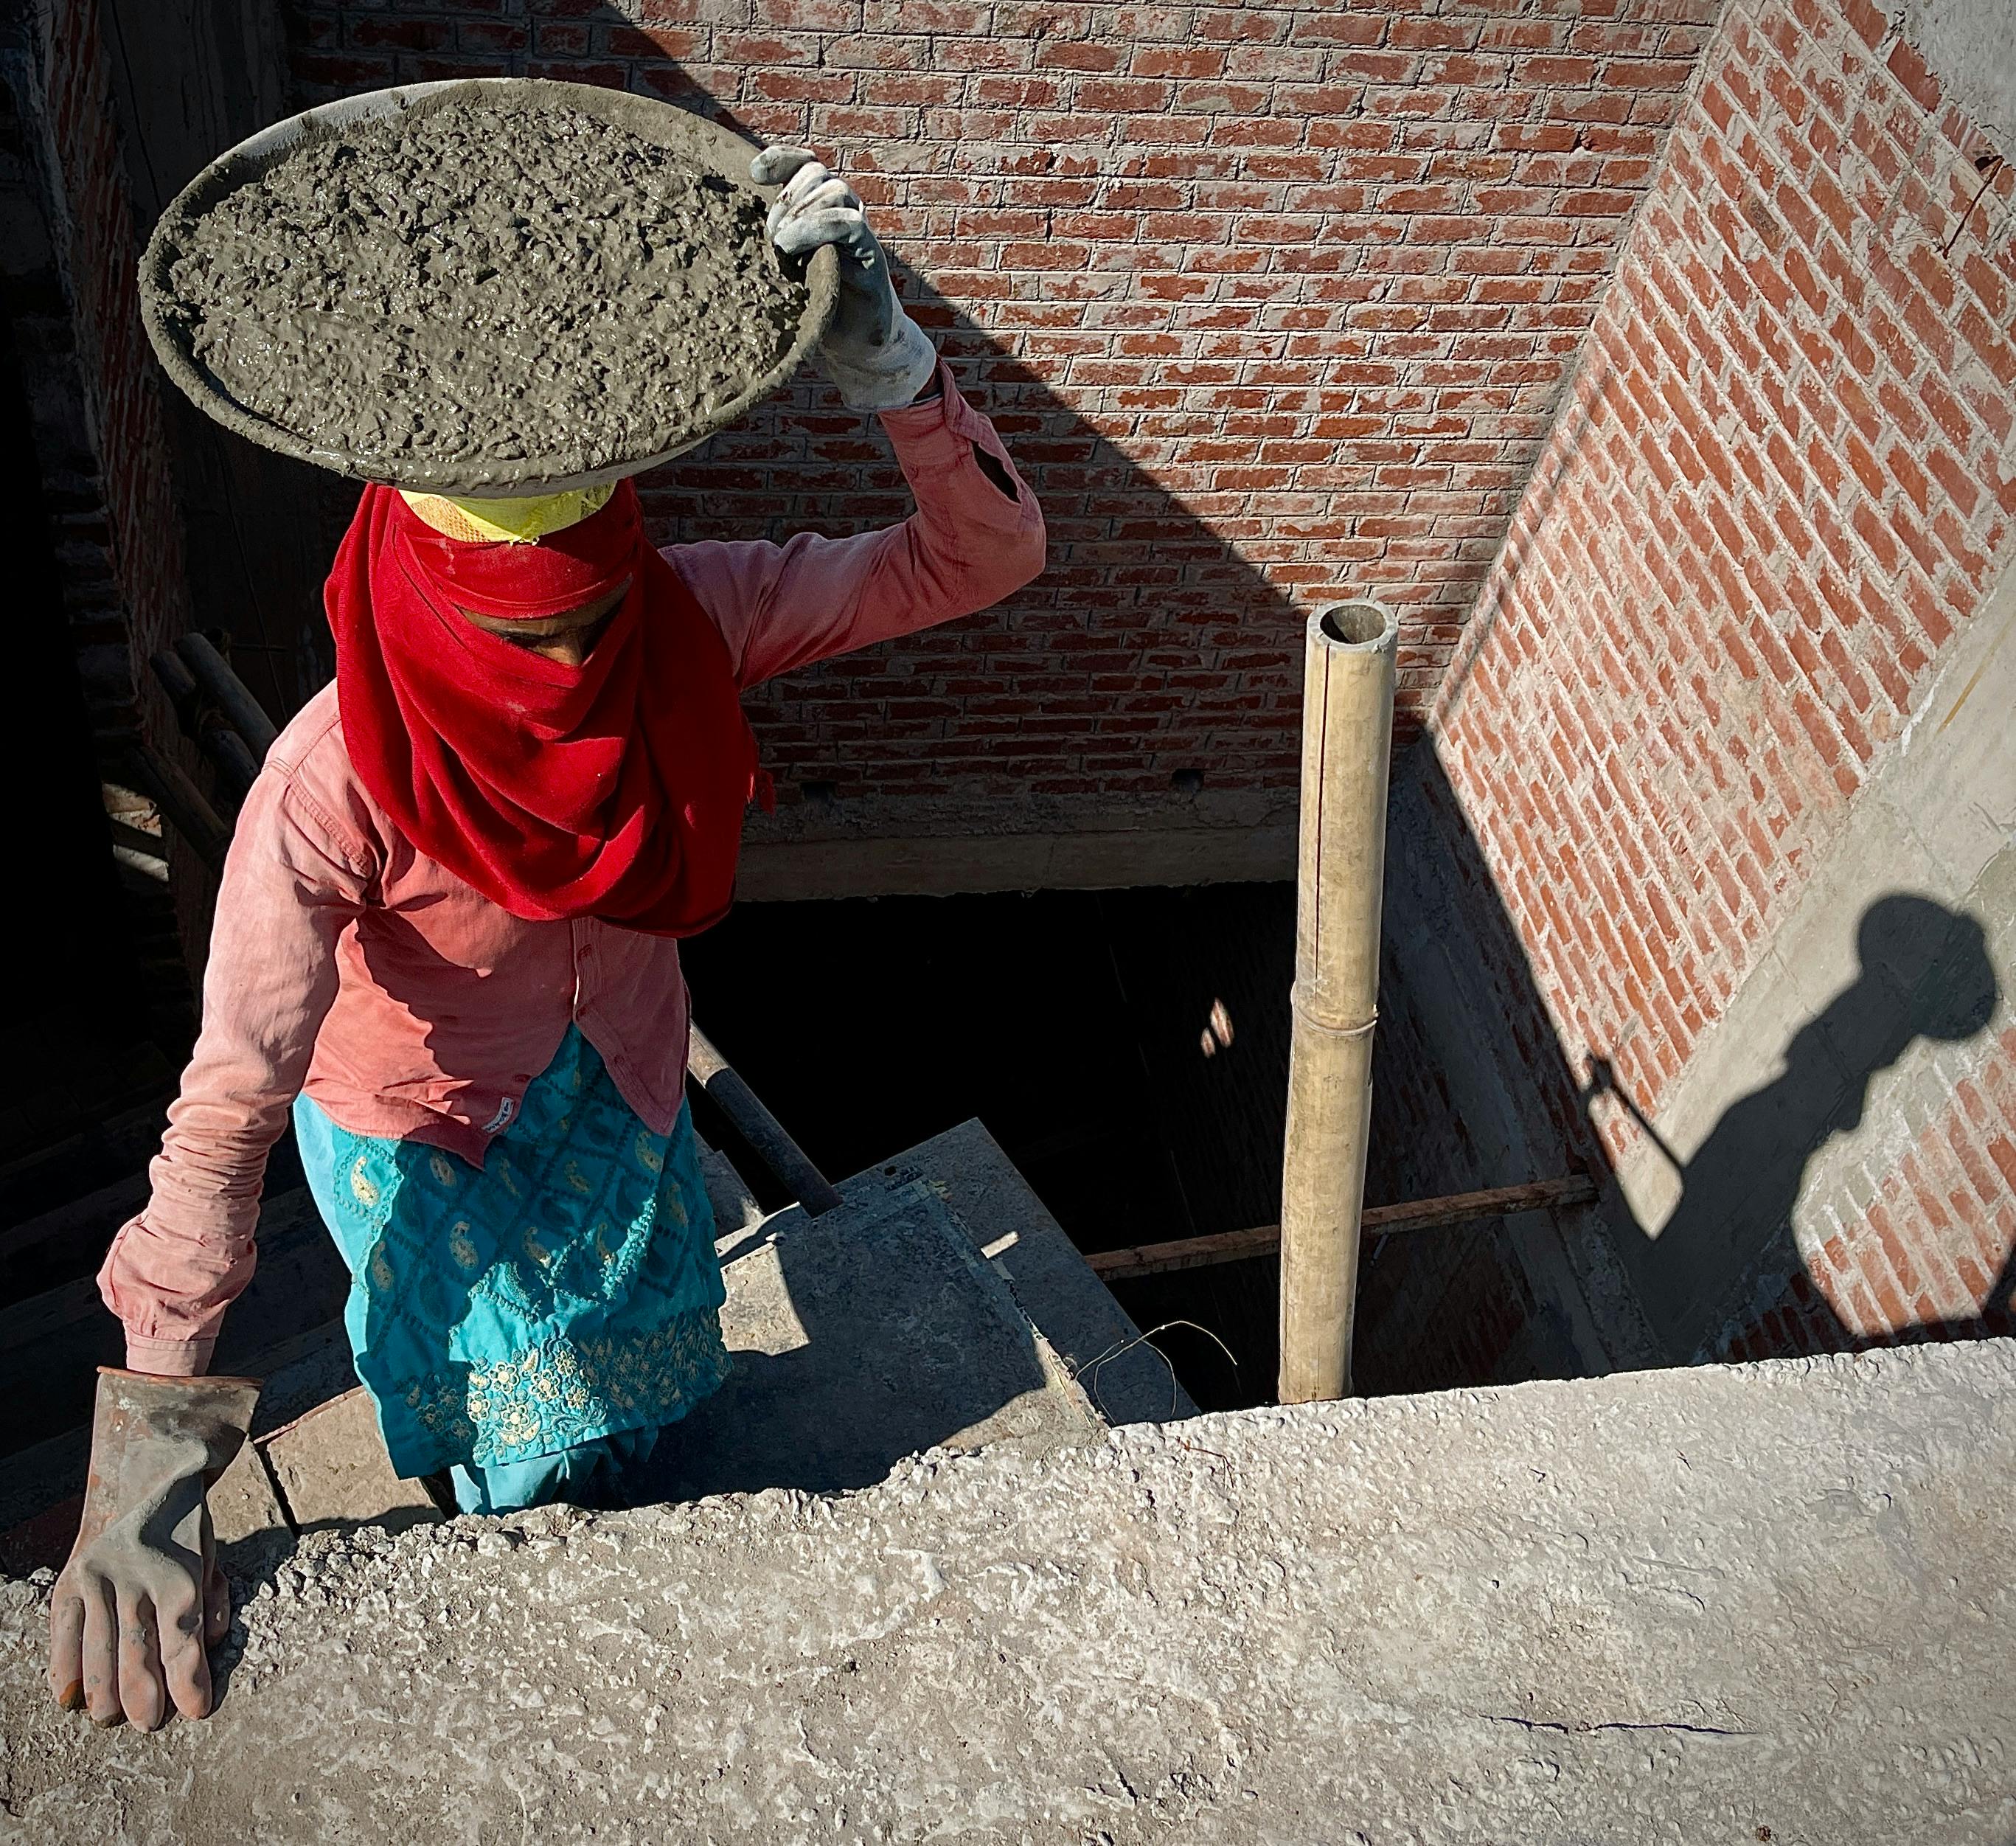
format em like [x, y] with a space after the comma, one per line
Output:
[977, 536]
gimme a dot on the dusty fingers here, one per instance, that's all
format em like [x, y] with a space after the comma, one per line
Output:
[66, 1645]
[142, 1696]
[101, 1653]
[126, 1658]
[189, 1627]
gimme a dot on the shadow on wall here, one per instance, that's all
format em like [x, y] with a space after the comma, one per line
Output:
[1497, 1300]
[1557, 1295]
[1925, 974]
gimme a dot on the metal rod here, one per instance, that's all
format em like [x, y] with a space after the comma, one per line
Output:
[1378, 1220]
[212, 674]
[1347, 742]
[765, 1134]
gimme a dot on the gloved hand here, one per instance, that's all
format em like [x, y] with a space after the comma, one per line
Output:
[879, 357]
[142, 1601]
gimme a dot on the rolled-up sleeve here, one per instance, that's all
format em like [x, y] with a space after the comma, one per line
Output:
[977, 535]
[292, 881]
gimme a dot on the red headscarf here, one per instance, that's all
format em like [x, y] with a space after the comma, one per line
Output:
[615, 789]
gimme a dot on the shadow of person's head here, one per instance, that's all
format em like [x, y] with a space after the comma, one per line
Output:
[1924, 973]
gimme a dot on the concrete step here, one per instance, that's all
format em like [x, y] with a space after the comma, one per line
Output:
[940, 1306]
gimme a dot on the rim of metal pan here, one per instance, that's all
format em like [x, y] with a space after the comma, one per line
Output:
[708, 143]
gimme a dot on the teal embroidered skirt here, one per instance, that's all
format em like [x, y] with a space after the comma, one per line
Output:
[566, 1291]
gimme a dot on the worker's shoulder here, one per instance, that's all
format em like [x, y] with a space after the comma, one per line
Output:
[318, 785]
[312, 742]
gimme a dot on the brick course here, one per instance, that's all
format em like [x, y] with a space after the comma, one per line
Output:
[1272, 303]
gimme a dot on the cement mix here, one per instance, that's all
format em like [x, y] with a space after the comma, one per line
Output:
[481, 281]
[1728, 1604]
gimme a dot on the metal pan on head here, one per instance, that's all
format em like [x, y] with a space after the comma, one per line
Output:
[707, 143]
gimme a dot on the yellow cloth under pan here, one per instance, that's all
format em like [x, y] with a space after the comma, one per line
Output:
[514, 522]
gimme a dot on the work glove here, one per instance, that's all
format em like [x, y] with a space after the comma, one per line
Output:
[878, 356]
[142, 1601]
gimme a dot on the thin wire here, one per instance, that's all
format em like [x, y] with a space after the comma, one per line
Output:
[1121, 1348]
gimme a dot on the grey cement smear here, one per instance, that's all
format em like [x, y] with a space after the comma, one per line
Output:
[1679, 1606]
[481, 283]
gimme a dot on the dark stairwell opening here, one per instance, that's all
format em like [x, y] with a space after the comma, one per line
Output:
[1127, 1048]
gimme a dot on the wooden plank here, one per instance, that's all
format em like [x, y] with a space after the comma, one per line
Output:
[1462, 1208]
[90, 1219]
[331, 1470]
[1380, 1221]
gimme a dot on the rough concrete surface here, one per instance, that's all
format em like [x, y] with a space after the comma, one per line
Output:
[1971, 45]
[1684, 1606]
[858, 1338]
[488, 279]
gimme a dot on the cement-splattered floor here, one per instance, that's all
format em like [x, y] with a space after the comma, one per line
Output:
[1681, 1607]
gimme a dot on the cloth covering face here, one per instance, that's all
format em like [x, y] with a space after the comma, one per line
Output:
[615, 789]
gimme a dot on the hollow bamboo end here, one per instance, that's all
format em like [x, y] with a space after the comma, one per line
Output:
[1360, 627]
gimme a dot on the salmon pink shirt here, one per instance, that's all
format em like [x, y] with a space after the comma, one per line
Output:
[344, 962]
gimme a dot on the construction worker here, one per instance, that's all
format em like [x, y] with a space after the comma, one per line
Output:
[446, 938]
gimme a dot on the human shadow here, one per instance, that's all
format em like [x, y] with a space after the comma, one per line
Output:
[1924, 973]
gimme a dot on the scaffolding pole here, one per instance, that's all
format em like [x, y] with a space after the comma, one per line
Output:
[1346, 743]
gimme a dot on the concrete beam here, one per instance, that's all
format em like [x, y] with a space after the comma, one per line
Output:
[1970, 46]
[940, 846]
[1731, 1603]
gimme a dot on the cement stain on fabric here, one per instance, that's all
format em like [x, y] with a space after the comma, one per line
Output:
[485, 283]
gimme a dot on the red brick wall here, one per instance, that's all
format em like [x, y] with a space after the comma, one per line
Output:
[1270, 301]
[108, 484]
[1781, 485]
[120, 379]
[1931, 1248]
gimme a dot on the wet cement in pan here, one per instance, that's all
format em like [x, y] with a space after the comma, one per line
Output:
[485, 284]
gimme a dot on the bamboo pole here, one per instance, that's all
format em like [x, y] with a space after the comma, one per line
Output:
[183, 805]
[1347, 740]
[234, 698]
